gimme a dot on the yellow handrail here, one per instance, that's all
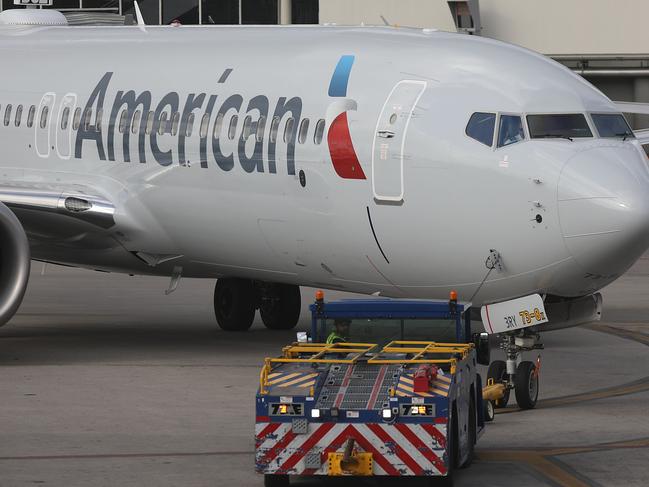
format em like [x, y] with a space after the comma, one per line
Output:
[319, 353]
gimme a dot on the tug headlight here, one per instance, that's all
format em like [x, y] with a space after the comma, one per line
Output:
[315, 413]
[386, 414]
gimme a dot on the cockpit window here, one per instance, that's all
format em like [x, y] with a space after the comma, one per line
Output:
[481, 127]
[612, 125]
[510, 130]
[562, 126]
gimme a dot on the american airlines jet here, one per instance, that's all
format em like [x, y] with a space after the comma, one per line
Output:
[389, 161]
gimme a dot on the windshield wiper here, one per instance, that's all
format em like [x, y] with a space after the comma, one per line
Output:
[624, 135]
[554, 136]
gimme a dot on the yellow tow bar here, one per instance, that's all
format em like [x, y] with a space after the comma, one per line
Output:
[349, 462]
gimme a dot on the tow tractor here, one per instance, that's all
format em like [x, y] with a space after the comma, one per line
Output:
[400, 395]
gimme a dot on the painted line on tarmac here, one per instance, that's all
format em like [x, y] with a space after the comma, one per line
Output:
[544, 460]
[634, 387]
[126, 455]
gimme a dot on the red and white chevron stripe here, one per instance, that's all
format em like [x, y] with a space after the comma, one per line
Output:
[397, 449]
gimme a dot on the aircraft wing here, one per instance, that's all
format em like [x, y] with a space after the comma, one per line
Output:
[71, 215]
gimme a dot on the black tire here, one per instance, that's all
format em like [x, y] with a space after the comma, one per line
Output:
[526, 385]
[473, 434]
[234, 304]
[280, 310]
[276, 480]
[453, 452]
[498, 372]
[489, 410]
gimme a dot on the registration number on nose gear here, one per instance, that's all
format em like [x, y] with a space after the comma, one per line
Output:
[514, 314]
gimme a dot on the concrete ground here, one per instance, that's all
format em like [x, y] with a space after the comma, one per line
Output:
[106, 381]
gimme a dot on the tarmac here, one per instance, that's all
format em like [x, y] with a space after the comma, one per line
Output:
[106, 381]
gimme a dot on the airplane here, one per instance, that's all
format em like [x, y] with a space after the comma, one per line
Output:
[400, 162]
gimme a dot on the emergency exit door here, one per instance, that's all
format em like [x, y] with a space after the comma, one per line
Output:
[390, 140]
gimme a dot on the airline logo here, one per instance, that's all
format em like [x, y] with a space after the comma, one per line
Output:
[341, 147]
[162, 130]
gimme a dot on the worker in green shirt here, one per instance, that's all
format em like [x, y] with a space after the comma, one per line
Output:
[340, 333]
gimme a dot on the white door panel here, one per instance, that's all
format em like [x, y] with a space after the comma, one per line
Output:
[390, 139]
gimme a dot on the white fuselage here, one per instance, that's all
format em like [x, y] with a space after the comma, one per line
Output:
[422, 221]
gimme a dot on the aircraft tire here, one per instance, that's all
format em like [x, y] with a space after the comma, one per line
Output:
[234, 304]
[489, 412]
[282, 310]
[526, 385]
[498, 372]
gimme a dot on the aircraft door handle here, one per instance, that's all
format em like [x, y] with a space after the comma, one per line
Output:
[386, 134]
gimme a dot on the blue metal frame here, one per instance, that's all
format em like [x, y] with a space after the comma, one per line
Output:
[392, 309]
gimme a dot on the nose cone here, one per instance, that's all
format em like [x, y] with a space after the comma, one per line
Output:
[603, 201]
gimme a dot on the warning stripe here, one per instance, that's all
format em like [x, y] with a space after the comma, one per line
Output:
[377, 387]
[401, 449]
[299, 380]
[315, 437]
[406, 384]
[343, 387]
[272, 437]
[421, 447]
[435, 433]
[267, 430]
[284, 378]
[409, 391]
[401, 453]
[272, 453]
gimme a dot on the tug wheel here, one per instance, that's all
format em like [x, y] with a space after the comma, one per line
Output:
[526, 385]
[498, 372]
[234, 304]
[280, 308]
[473, 434]
[276, 480]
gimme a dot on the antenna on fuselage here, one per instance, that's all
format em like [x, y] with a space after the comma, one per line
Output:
[138, 16]
[385, 21]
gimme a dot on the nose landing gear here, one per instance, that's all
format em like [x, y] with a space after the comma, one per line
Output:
[521, 376]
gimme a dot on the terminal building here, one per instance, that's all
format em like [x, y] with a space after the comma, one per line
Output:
[604, 41]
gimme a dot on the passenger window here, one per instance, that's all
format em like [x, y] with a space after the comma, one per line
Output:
[44, 112]
[87, 115]
[288, 130]
[481, 127]
[7, 115]
[30, 116]
[77, 119]
[135, 127]
[162, 123]
[261, 126]
[205, 121]
[304, 130]
[149, 122]
[510, 130]
[175, 121]
[98, 117]
[19, 115]
[216, 132]
[122, 122]
[232, 131]
[319, 132]
[190, 125]
[64, 118]
[274, 128]
[247, 128]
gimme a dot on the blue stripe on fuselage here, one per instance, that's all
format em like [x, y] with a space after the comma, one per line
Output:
[340, 79]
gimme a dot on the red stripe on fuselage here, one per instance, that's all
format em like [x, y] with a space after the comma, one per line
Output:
[341, 148]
